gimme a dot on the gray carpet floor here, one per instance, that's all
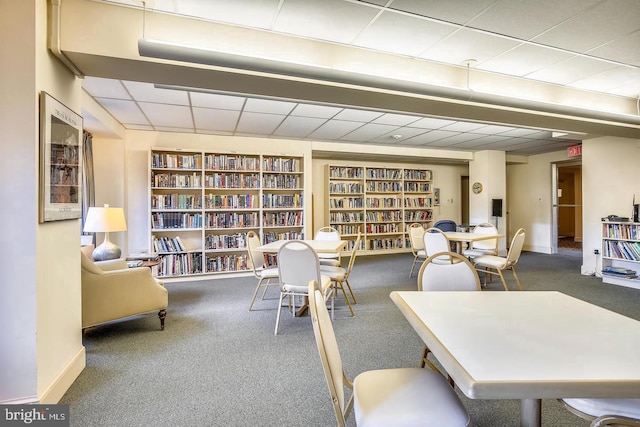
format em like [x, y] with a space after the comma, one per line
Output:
[217, 364]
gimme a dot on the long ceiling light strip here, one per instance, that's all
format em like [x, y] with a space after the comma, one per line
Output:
[189, 54]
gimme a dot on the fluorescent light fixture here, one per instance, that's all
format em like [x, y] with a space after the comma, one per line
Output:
[190, 54]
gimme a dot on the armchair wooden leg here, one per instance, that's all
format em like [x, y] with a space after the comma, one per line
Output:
[162, 314]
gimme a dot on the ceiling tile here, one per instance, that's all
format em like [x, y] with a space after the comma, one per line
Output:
[298, 127]
[312, 110]
[147, 92]
[572, 69]
[404, 133]
[611, 79]
[126, 112]
[333, 20]
[463, 126]
[167, 115]
[431, 123]
[466, 44]
[335, 129]
[429, 137]
[625, 49]
[259, 123]
[212, 100]
[368, 132]
[269, 106]
[523, 60]
[210, 119]
[251, 13]
[456, 11]
[402, 34]
[603, 23]
[104, 88]
[396, 119]
[358, 115]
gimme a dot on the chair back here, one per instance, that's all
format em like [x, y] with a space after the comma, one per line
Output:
[486, 228]
[416, 237]
[446, 225]
[459, 275]
[298, 264]
[516, 247]
[328, 233]
[435, 241]
[329, 353]
[256, 258]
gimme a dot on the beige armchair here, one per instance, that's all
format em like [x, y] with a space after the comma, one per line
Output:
[111, 291]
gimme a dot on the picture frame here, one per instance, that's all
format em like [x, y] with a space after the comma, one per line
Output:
[436, 197]
[60, 161]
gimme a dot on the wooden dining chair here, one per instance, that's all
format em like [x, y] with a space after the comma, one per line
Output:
[297, 265]
[435, 241]
[340, 275]
[329, 233]
[483, 247]
[605, 412]
[458, 275]
[264, 274]
[416, 240]
[399, 397]
[495, 265]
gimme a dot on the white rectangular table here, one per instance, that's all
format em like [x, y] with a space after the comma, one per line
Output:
[463, 236]
[320, 246]
[527, 345]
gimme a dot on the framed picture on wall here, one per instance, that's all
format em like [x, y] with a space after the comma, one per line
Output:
[60, 161]
[436, 197]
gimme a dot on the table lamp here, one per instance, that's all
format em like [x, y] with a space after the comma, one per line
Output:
[105, 220]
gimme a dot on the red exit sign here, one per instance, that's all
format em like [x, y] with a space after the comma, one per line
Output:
[574, 151]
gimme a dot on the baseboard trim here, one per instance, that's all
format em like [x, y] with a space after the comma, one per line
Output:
[69, 374]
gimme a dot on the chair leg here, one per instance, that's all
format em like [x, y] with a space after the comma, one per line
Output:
[513, 270]
[162, 314]
[340, 284]
[415, 259]
[264, 291]
[351, 291]
[425, 361]
[504, 283]
[253, 298]
[275, 332]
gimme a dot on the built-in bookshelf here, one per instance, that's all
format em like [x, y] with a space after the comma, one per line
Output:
[204, 203]
[379, 202]
[621, 253]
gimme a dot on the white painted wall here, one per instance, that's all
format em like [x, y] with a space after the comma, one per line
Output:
[42, 350]
[610, 178]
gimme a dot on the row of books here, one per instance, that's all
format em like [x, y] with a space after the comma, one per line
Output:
[279, 164]
[232, 220]
[418, 174]
[378, 244]
[176, 180]
[346, 202]
[623, 250]
[281, 181]
[345, 188]
[232, 180]
[417, 216]
[273, 236]
[230, 201]
[176, 161]
[620, 272]
[381, 173]
[179, 264]
[233, 262]
[282, 200]
[417, 202]
[622, 231]
[168, 244]
[338, 172]
[225, 241]
[282, 219]
[383, 202]
[384, 186]
[176, 201]
[382, 228]
[383, 216]
[417, 187]
[167, 220]
[229, 162]
[346, 217]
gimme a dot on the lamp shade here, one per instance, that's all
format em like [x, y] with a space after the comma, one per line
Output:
[105, 219]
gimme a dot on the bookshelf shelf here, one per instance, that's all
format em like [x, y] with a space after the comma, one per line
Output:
[378, 202]
[210, 200]
[621, 253]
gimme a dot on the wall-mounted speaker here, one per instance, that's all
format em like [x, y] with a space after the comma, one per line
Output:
[496, 207]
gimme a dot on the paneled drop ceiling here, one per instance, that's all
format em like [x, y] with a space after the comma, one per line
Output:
[590, 45]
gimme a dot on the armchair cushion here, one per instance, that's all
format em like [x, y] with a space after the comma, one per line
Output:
[115, 294]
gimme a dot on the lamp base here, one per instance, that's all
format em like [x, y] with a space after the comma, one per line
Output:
[106, 251]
